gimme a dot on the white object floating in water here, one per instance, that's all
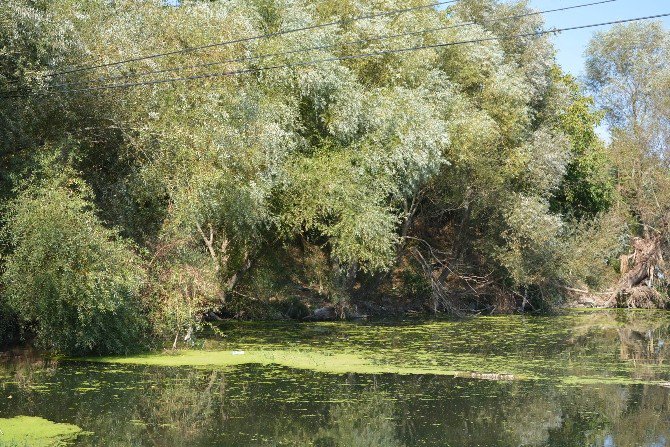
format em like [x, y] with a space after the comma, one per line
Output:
[238, 352]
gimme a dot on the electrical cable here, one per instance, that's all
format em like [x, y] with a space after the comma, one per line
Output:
[320, 47]
[257, 37]
[350, 57]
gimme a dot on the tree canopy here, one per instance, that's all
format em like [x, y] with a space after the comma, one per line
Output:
[469, 172]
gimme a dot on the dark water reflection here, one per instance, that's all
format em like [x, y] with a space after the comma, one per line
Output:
[253, 405]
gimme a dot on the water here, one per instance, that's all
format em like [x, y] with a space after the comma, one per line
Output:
[581, 379]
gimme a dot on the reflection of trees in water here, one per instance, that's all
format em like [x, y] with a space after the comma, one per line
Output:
[367, 421]
[187, 405]
[644, 339]
[641, 342]
[612, 415]
[197, 408]
[532, 415]
[27, 368]
[529, 414]
[640, 418]
[529, 423]
[181, 409]
[113, 430]
[193, 411]
[175, 409]
[644, 344]
[186, 412]
[260, 407]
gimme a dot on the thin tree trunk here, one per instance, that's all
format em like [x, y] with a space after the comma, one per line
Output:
[209, 242]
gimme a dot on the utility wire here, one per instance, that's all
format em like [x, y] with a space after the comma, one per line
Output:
[351, 57]
[320, 47]
[257, 37]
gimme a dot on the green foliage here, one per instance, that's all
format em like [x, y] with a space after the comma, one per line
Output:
[588, 188]
[482, 157]
[348, 208]
[627, 68]
[71, 277]
[414, 285]
[9, 325]
[532, 241]
[182, 286]
[628, 71]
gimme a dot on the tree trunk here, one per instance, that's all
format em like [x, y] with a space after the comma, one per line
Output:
[640, 271]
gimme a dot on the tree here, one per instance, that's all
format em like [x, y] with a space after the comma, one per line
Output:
[472, 168]
[628, 71]
[627, 67]
[588, 187]
[76, 281]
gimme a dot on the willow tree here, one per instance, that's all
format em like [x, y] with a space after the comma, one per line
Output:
[629, 73]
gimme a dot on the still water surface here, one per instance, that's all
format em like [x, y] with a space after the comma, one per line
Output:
[578, 379]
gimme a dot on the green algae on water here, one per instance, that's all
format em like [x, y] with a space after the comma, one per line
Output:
[574, 347]
[342, 363]
[572, 379]
[324, 362]
[24, 431]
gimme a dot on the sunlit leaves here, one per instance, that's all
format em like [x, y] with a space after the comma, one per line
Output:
[76, 280]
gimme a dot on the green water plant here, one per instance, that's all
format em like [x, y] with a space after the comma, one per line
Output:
[29, 431]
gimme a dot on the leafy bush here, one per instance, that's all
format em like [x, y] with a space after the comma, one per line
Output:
[73, 278]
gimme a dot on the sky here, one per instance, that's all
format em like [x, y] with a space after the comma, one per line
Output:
[571, 45]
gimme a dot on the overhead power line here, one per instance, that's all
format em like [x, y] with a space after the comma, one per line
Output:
[256, 37]
[322, 47]
[351, 57]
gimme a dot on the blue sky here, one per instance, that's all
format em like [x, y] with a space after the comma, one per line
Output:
[572, 44]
